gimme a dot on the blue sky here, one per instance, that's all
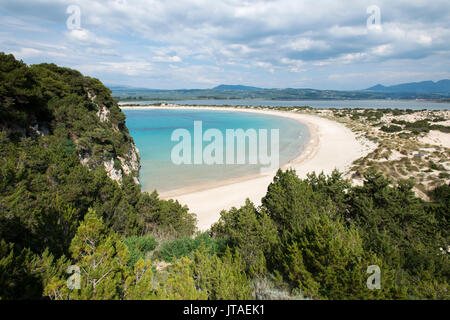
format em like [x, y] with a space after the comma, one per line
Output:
[323, 44]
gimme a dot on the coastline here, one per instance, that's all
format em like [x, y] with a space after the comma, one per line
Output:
[331, 145]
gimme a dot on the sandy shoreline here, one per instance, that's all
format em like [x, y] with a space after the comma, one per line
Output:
[331, 146]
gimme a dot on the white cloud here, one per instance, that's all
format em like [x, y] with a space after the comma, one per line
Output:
[26, 53]
[348, 31]
[245, 39]
[303, 44]
[383, 50]
[86, 37]
[130, 68]
[294, 65]
[168, 59]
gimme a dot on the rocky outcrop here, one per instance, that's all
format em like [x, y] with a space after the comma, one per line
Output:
[116, 166]
[113, 173]
[40, 130]
[78, 111]
[131, 164]
[103, 114]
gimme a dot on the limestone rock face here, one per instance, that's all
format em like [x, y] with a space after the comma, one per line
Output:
[116, 165]
[131, 163]
[113, 173]
[103, 114]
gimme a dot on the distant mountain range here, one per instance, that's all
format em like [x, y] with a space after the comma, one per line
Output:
[427, 90]
[442, 86]
[235, 87]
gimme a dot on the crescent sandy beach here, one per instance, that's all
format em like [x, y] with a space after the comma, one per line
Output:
[331, 146]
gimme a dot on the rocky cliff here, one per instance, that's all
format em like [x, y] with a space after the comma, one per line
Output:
[46, 99]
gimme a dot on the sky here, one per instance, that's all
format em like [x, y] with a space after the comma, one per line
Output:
[174, 44]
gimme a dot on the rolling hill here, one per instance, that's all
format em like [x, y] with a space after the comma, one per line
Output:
[427, 90]
[441, 87]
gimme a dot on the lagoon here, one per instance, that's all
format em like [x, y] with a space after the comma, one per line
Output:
[152, 130]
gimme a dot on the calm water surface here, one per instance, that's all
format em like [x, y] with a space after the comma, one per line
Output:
[152, 130]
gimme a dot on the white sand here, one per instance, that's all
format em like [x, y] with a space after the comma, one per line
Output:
[435, 137]
[331, 146]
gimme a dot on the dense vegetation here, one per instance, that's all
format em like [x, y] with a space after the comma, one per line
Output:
[310, 238]
[320, 235]
[48, 122]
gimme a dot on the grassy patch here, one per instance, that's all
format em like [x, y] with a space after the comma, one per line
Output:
[184, 247]
[139, 247]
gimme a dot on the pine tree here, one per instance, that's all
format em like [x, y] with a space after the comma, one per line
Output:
[180, 283]
[18, 279]
[102, 257]
[139, 283]
[223, 278]
[250, 232]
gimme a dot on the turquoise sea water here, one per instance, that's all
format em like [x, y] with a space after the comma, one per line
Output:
[152, 130]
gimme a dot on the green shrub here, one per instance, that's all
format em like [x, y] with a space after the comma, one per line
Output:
[178, 248]
[139, 247]
[445, 129]
[223, 278]
[444, 175]
[418, 126]
[397, 112]
[68, 146]
[434, 166]
[392, 128]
